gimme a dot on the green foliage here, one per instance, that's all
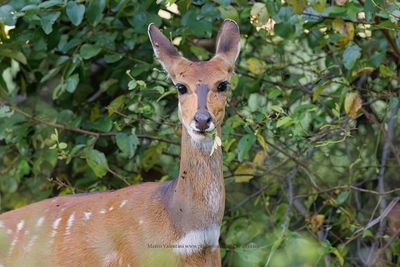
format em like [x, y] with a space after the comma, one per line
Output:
[306, 125]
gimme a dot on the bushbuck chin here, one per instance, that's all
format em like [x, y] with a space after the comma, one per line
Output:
[173, 223]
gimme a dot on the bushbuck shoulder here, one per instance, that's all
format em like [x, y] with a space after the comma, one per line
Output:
[174, 223]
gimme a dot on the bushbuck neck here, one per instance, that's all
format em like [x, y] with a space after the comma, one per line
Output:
[198, 194]
[174, 223]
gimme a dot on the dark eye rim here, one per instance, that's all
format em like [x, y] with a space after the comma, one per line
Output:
[222, 86]
[181, 88]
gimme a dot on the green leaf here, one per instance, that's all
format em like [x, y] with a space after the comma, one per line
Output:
[7, 15]
[151, 156]
[284, 29]
[112, 58]
[97, 161]
[229, 12]
[350, 56]
[71, 83]
[47, 20]
[75, 12]
[127, 144]
[244, 146]
[342, 197]
[259, 14]
[318, 90]
[284, 122]
[103, 124]
[17, 55]
[50, 3]
[95, 10]
[6, 111]
[88, 51]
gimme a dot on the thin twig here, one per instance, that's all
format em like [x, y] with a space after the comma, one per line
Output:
[85, 132]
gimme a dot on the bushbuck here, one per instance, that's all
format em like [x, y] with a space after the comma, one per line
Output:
[173, 223]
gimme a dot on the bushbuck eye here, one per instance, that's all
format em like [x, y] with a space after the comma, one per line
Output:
[222, 86]
[181, 88]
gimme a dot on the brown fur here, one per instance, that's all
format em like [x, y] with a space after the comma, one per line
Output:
[137, 225]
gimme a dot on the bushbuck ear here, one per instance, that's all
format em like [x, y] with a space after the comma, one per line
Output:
[164, 50]
[228, 41]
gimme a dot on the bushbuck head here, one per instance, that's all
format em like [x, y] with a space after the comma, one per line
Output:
[202, 85]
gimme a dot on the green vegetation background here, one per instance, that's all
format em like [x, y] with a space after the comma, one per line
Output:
[310, 140]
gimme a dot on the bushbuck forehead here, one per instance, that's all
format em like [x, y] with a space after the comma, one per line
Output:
[210, 72]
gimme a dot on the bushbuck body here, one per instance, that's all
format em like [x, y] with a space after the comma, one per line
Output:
[174, 223]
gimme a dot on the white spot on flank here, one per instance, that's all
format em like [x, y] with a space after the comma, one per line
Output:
[20, 225]
[39, 222]
[30, 244]
[9, 231]
[55, 227]
[55, 224]
[141, 221]
[196, 240]
[86, 215]
[123, 203]
[70, 222]
[111, 208]
[1, 224]
[102, 211]
[110, 258]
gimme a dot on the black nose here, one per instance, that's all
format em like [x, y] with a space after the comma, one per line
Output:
[202, 119]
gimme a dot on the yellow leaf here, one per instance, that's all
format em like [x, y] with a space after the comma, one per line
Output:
[255, 65]
[261, 141]
[361, 71]
[260, 158]
[245, 172]
[345, 29]
[352, 104]
[216, 144]
[298, 5]
[338, 256]
[316, 222]
[94, 113]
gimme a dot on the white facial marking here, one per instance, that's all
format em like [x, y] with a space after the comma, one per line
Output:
[111, 208]
[102, 211]
[209, 129]
[196, 240]
[86, 215]
[123, 203]
[70, 222]
[39, 222]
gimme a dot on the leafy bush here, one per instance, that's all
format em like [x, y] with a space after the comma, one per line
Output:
[310, 141]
